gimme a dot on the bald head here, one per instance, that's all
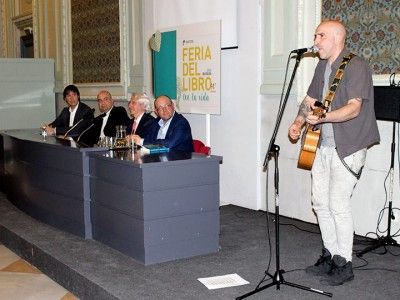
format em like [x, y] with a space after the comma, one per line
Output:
[105, 101]
[337, 29]
[164, 107]
[330, 37]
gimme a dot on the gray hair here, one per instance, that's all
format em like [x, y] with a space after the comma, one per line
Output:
[142, 98]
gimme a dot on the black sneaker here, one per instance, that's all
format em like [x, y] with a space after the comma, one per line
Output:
[323, 266]
[342, 272]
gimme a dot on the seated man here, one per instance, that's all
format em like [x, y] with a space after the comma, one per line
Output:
[73, 119]
[171, 129]
[142, 121]
[105, 124]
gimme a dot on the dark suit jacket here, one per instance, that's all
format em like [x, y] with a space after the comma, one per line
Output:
[144, 127]
[83, 115]
[178, 137]
[118, 116]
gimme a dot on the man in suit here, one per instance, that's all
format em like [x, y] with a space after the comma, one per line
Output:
[171, 129]
[73, 119]
[142, 121]
[105, 124]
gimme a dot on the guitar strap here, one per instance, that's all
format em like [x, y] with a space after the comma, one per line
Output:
[338, 77]
[331, 94]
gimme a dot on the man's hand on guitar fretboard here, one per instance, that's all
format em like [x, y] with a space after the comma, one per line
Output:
[320, 112]
[318, 109]
[317, 114]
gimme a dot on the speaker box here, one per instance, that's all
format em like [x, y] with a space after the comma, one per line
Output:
[387, 103]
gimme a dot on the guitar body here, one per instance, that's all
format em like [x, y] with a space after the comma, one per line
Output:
[308, 149]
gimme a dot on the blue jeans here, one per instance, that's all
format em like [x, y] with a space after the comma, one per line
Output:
[332, 187]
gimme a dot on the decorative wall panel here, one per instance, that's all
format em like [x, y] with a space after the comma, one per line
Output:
[95, 41]
[373, 30]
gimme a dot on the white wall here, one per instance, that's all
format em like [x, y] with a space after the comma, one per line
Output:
[234, 133]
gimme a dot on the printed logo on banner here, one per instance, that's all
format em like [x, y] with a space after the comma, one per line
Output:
[194, 80]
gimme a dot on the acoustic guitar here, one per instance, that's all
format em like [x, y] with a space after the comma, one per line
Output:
[311, 134]
[310, 139]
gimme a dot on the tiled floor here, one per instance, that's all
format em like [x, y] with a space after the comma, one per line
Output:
[21, 280]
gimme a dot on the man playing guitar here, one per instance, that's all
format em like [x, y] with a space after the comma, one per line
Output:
[348, 128]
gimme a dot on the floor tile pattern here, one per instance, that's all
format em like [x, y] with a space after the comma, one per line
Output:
[21, 280]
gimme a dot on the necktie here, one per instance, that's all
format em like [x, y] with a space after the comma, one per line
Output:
[133, 127]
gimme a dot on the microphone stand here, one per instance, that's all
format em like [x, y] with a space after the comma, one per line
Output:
[387, 240]
[69, 130]
[273, 152]
[83, 132]
[77, 123]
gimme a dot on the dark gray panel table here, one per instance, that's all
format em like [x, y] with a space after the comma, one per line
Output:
[48, 179]
[154, 208]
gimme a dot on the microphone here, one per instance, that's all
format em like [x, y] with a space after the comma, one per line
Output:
[83, 118]
[312, 49]
[79, 137]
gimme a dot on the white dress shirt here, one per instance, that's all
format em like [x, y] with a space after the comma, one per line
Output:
[164, 125]
[105, 119]
[72, 113]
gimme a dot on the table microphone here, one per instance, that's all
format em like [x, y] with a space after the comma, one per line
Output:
[69, 130]
[79, 137]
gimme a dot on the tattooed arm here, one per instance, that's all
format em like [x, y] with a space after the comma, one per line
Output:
[304, 110]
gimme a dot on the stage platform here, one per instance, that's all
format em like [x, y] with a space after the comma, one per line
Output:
[91, 270]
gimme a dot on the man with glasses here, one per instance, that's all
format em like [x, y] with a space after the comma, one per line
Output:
[171, 129]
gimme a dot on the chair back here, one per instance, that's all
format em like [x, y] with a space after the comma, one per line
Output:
[199, 147]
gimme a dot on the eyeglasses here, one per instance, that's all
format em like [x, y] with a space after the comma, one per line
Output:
[162, 107]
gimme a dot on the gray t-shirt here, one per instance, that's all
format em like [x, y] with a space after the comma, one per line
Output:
[327, 137]
[362, 131]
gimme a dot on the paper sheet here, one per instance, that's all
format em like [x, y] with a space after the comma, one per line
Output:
[218, 282]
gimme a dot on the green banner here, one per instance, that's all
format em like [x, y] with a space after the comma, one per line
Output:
[164, 66]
